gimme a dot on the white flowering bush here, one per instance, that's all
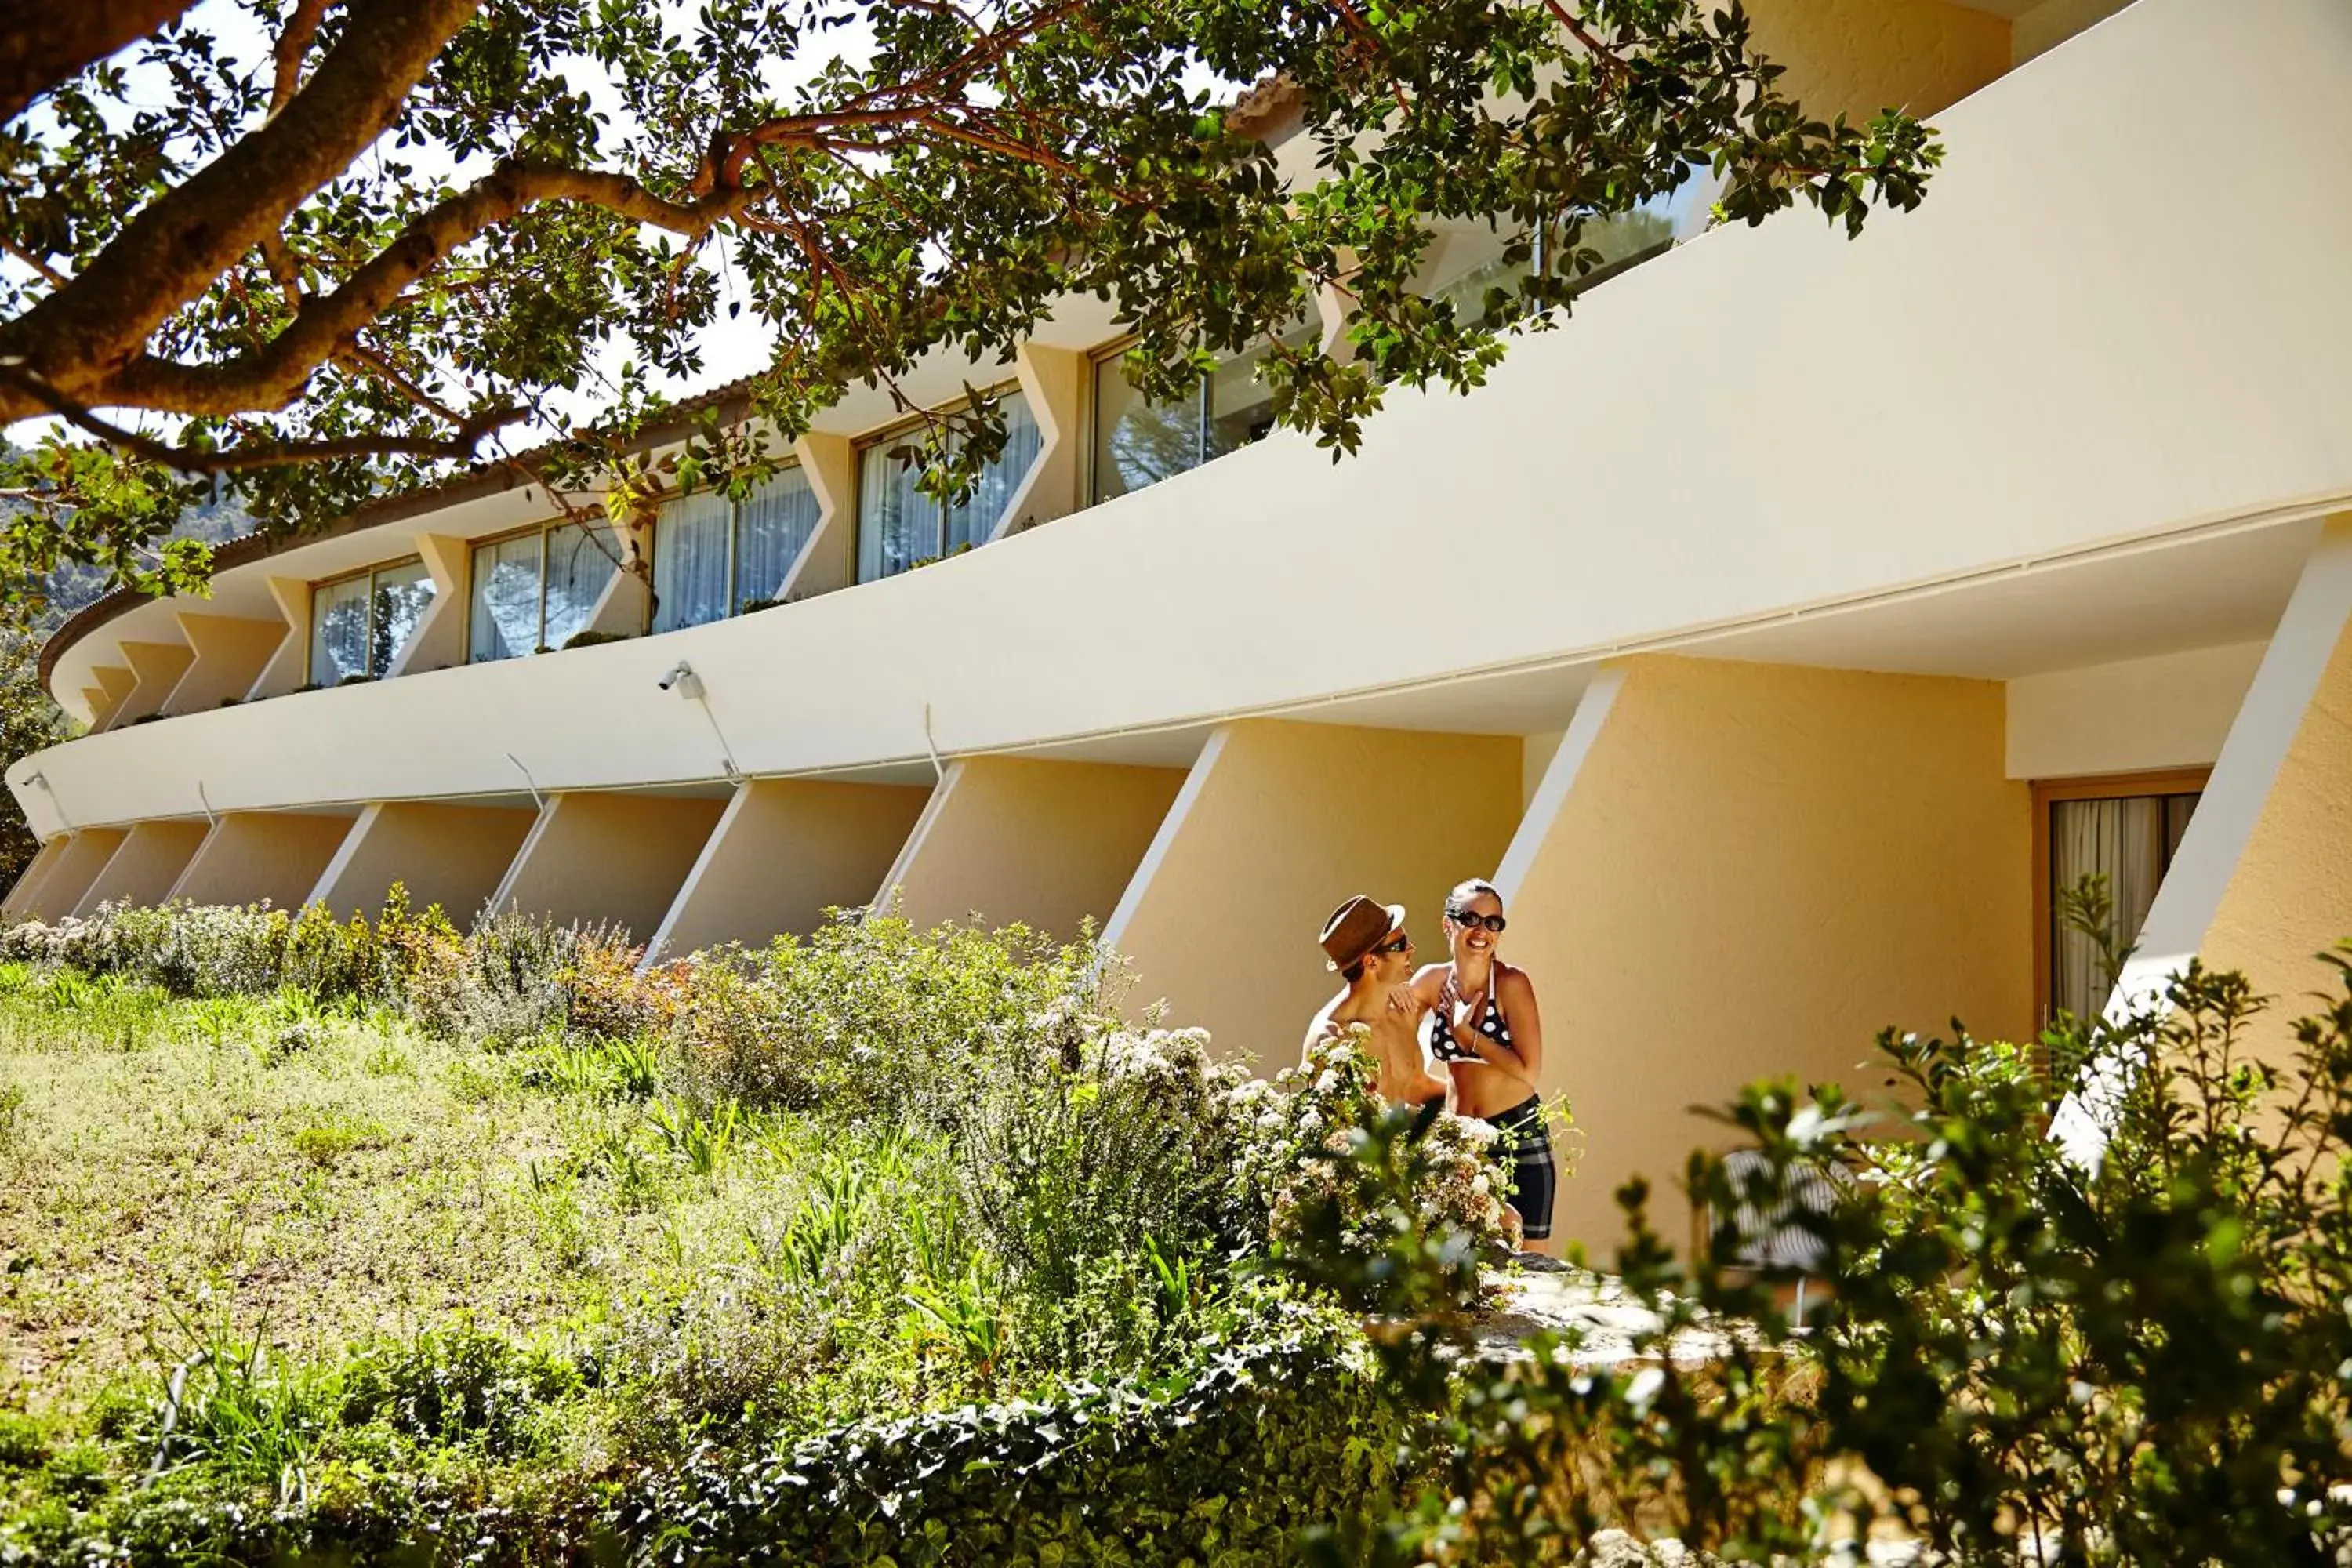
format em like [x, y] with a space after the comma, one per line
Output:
[1302, 1132]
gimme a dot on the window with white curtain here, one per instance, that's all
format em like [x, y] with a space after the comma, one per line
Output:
[2129, 841]
[1138, 443]
[534, 592]
[898, 526]
[360, 624]
[714, 557]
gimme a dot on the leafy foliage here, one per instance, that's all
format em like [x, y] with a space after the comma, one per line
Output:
[342, 267]
[2019, 1357]
[1013, 1248]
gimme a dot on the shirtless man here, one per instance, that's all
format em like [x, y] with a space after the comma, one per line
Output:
[1366, 943]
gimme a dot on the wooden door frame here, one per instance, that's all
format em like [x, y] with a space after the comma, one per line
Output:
[2098, 786]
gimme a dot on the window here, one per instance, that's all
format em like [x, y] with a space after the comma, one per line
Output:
[1465, 261]
[713, 557]
[898, 526]
[359, 625]
[2126, 829]
[534, 592]
[1137, 444]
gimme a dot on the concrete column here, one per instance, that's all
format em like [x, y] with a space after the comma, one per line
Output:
[252, 857]
[156, 668]
[1055, 380]
[786, 851]
[625, 607]
[1010, 840]
[597, 857]
[829, 560]
[439, 640]
[230, 655]
[453, 856]
[149, 862]
[106, 698]
[2263, 877]
[287, 667]
[1276, 825]
[80, 864]
[28, 881]
[1732, 871]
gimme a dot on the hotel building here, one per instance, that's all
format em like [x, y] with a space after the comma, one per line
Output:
[1778, 635]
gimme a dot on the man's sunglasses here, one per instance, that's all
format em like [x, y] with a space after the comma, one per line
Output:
[1397, 943]
[1468, 921]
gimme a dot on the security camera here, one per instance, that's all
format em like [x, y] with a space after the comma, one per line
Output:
[681, 679]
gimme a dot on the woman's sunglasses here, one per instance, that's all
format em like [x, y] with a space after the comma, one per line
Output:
[1467, 920]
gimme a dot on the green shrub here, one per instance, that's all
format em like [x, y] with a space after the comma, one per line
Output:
[459, 1386]
[1224, 1463]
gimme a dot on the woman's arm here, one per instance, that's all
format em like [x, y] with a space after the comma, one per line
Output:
[1515, 994]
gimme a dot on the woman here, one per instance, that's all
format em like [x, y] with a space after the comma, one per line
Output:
[1484, 1027]
[1367, 942]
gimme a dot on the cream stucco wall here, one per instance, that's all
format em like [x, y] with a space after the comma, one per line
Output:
[142, 870]
[2170, 711]
[786, 851]
[1739, 870]
[1858, 57]
[2070, 393]
[229, 654]
[453, 856]
[157, 668]
[595, 856]
[1277, 823]
[1010, 840]
[84, 860]
[255, 855]
[2051, 23]
[37, 870]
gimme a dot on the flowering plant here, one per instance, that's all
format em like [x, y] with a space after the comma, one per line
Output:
[1302, 1131]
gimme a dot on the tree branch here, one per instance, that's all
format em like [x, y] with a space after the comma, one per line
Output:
[43, 42]
[83, 335]
[293, 45]
[459, 448]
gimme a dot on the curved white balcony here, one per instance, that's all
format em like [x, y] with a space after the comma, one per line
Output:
[2108, 328]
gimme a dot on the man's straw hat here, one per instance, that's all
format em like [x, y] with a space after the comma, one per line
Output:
[1356, 927]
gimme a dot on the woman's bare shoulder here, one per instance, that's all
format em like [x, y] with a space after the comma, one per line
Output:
[1430, 980]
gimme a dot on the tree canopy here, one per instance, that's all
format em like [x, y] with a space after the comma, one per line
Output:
[316, 251]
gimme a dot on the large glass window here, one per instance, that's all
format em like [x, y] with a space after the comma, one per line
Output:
[536, 591]
[359, 625]
[1138, 443]
[898, 526]
[1465, 264]
[2125, 833]
[714, 557]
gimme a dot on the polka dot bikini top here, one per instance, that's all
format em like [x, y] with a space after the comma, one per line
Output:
[1490, 1024]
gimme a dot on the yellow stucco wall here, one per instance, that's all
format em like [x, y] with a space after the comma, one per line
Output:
[149, 862]
[230, 654]
[158, 667]
[1862, 56]
[597, 857]
[28, 881]
[786, 851]
[1755, 867]
[82, 862]
[453, 856]
[2290, 896]
[1279, 823]
[1048, 845]
[252, 856]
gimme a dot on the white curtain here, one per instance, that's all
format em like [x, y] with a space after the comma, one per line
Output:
[690, 560]
[2130, 843]
[505, 619]
[771, 525]
[581, 559]
[339, 631]
[898, 526]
